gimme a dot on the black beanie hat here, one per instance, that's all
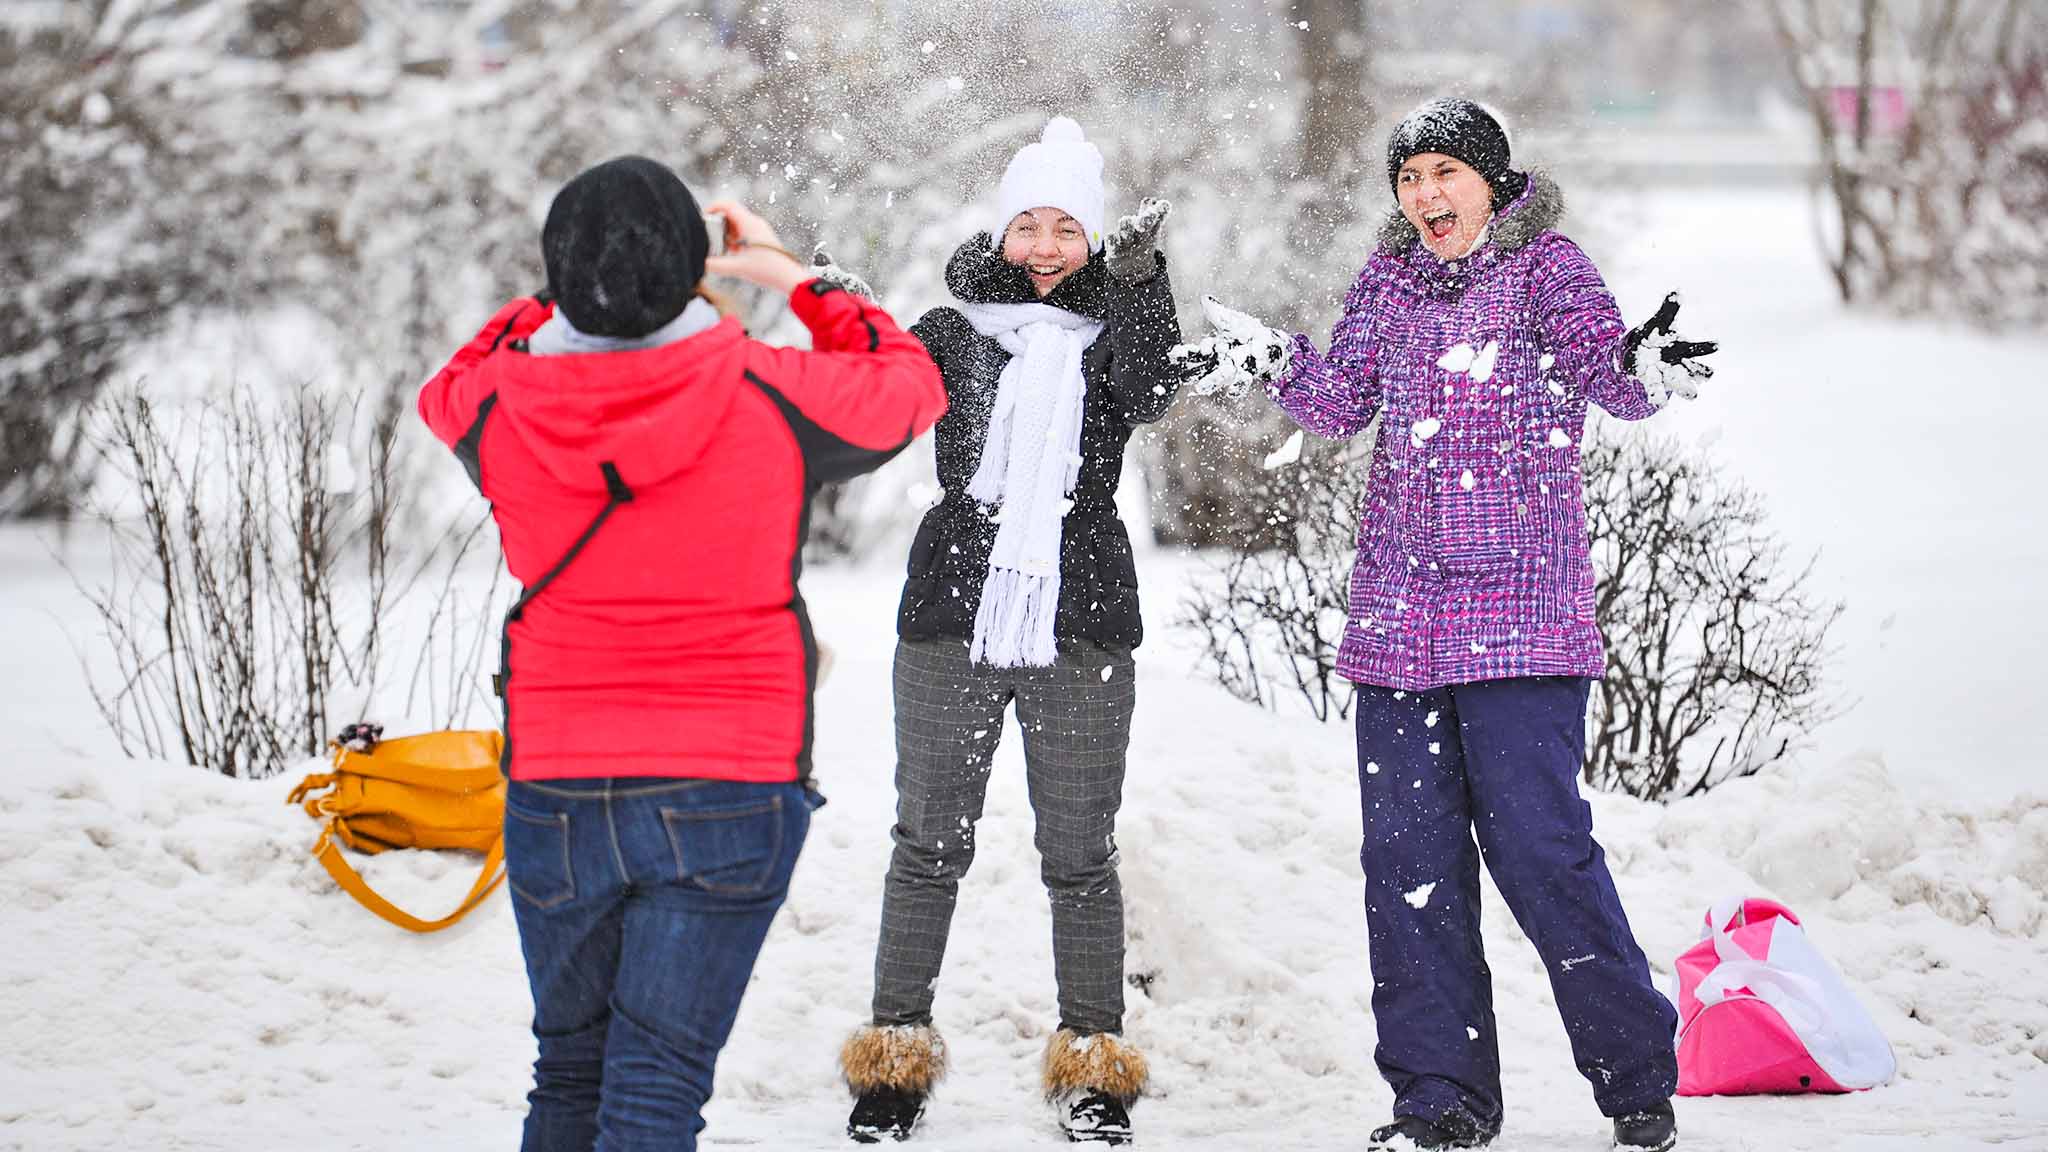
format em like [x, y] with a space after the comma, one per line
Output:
[1460, 129]
[624, 246]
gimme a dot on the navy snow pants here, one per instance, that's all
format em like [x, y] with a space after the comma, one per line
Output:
[1499, 759]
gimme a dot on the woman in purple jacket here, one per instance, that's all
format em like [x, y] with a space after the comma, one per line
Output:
[1478, 334]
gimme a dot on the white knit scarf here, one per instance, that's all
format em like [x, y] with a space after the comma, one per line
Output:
[1028, 466]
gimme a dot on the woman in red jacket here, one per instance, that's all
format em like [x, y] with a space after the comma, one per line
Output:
[649, 467]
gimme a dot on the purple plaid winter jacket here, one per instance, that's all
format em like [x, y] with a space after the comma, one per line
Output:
[1472, 555]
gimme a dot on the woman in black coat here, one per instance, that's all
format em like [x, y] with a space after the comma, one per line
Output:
[1022, 591]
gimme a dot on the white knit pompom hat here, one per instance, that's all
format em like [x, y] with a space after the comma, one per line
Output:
[1064, 171]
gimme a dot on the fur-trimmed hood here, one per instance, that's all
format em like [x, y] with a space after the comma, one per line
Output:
[1536, 211]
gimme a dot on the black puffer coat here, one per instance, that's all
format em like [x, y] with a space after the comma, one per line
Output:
[1130, 382]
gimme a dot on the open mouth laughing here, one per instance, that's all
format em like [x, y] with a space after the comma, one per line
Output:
[1440, 223]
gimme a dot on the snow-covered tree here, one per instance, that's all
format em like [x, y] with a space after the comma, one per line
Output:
[1932, 118]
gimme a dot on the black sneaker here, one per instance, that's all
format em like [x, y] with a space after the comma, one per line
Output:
[1093, 1118]
[1654, 1129]
[884, 1113]
[1455, 1129]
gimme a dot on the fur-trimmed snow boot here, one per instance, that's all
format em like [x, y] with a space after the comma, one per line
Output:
[891, 1070]
[1092, 1081]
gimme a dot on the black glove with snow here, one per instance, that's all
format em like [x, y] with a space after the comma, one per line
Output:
[1672, 365]
[1131, 252]
[823, 267]
[1238, 353]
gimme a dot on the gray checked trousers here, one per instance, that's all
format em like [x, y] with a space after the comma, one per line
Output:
[1076, 720]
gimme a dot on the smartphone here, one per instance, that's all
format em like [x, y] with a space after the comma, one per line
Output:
[714, 226]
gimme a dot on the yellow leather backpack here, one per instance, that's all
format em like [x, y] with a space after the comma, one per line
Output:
[434, 790]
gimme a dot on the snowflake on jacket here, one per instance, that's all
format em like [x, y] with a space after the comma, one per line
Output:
[1473, 562]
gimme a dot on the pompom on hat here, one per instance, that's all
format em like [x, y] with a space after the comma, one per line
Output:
[1062, 170]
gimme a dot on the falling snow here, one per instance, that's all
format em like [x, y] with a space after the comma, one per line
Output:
[1286, 454]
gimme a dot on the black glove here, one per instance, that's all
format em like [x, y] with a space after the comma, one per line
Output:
[1130, 250]
[824, 268]
[1675, 365]
[1238, 353]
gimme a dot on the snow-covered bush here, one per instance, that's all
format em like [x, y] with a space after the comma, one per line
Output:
[1933, 126]
[104, 235]
[1716, 645]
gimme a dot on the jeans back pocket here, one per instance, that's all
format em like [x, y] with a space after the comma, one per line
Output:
[731, 850]
[537, 857]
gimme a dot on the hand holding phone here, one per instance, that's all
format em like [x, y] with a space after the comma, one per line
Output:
[752, 251]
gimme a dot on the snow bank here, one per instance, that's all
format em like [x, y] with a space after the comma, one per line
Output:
[1847, 834]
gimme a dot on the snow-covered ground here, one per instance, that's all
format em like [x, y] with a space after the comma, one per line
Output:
[178, 973]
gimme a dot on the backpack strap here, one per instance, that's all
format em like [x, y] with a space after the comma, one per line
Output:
[330, 857]
[616, 493]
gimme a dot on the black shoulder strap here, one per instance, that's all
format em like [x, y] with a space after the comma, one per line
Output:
[616, 493]
[470, 449]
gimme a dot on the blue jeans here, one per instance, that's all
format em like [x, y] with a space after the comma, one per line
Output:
[642, 904]
[1496, 761]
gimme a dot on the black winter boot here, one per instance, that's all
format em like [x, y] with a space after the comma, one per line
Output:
[1455, 1129]
[1093, 1118]
[884, 1114]
[1092, 1082]
[1654, 1129]
[891, 1070]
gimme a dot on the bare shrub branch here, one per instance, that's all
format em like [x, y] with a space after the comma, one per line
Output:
[253, 581]
[1272, 614]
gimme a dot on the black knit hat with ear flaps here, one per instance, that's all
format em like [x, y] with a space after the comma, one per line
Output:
[1460, 129]
[624, 246]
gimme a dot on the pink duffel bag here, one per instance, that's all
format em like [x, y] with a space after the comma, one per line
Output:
[1761, 1011]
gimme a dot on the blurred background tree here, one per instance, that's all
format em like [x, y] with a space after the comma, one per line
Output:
[382, 166]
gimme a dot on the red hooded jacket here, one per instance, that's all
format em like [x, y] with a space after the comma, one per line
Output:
[675, 482]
